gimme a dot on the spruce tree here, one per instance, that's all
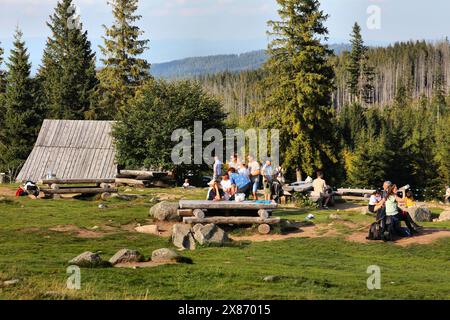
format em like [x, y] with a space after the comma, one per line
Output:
[68, 75]
[300, 79]
[124, 71]
[21, 121]
[2, 73]
[360, 72]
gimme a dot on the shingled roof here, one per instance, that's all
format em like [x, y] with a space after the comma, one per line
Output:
[72, 149]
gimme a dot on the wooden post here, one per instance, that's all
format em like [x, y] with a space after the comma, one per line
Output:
[263, 214]
[2, 178]
[199, 214]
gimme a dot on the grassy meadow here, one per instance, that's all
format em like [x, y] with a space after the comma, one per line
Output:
[38, 237]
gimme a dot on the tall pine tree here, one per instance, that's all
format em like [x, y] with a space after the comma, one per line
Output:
[21, 121]
[124, 71]
[360, 72]
[301, 82]
[68, 75]
[2, 73]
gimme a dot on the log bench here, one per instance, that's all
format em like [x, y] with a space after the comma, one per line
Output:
[194, 211]
[60, 187]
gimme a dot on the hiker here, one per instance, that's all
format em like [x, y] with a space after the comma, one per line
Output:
[240, 183]
[375, 198]
[268, 177]
[186, 184]
[217, 168]
[255, 172]
[234, 162]
[321, 190]
[28, 189]
[447, 194]
[227, 187]
[243, 170]
[392, 209]
[215, 192]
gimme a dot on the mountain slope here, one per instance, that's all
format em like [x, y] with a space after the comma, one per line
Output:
[196, 66]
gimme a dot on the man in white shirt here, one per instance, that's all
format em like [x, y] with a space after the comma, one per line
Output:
[255, 171]
[217, 168]
[320, 189]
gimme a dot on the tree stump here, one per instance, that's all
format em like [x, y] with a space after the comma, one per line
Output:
[199, 214]
[264, 214]
[264, 229]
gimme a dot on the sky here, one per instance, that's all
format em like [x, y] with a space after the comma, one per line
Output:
[185, 28]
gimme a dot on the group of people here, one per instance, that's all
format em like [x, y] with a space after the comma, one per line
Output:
[386, 204]
[242, 179]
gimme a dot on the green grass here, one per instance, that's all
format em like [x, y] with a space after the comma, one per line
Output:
[322, 268]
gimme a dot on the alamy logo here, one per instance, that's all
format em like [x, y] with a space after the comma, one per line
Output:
[374, 19]
[73, 22]
[256, 142]
[74, 279]
[374, 280]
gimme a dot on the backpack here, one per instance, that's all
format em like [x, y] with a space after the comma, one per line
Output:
[375, 231]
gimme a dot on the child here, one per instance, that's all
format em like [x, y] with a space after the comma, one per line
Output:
[227, 187]
[375, 198]
[186, 184]
[409, 200]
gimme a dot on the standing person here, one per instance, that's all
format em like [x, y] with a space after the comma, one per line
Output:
[234, 162]
[321, 189]
[255, 172]
[217, 169]
[447, 194]
[244, 171]
[268, 177]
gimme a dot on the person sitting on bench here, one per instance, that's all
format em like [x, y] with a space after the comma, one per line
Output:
[392, 209]
[215, 192]
[375, 198]
[240, 183]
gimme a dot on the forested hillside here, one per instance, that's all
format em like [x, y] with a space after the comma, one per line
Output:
[196, 66]
[419, 68]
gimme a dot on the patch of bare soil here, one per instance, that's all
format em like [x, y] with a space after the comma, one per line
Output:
[347, 206]
[149, 264]
[426, 236]
[7, 192]
[79, 232]
[304, 232]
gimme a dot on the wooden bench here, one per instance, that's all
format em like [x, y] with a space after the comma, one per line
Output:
[58, 187]
[194, 211]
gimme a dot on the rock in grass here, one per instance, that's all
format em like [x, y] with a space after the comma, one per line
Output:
[210, 234]
[9, 283]
[150, 229]
[272, 278]
[182, 237]
[444, 216]
[89, 260]
[165, 211]
[126, 256]
[165, 255]
[420, 214]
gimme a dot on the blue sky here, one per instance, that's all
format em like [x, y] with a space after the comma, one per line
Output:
[183, 28]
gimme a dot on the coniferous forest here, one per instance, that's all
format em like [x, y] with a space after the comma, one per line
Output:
[363, 115]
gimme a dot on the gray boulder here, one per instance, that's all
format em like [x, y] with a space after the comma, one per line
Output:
[182, 237]
[165, 255]
[445, 216]
[210, 234]
[420, 214]
[89, 260]
[126, 256]
[165, 211]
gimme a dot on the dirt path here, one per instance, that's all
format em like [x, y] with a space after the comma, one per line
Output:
[7, 192]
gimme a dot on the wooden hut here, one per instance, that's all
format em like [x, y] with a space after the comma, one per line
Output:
[72, 150]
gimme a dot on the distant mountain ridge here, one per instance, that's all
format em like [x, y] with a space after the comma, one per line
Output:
[197, 66]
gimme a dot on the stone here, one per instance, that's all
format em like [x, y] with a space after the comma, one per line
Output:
[165, 255]
[182, 237]
[102, 206]
[210, 234]
[89, 260]
[287, 225]
[126, 256]
[150, 229]
[445, 216]
[165, 211]
[420, 214]
[272, 278]
[9, 283]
